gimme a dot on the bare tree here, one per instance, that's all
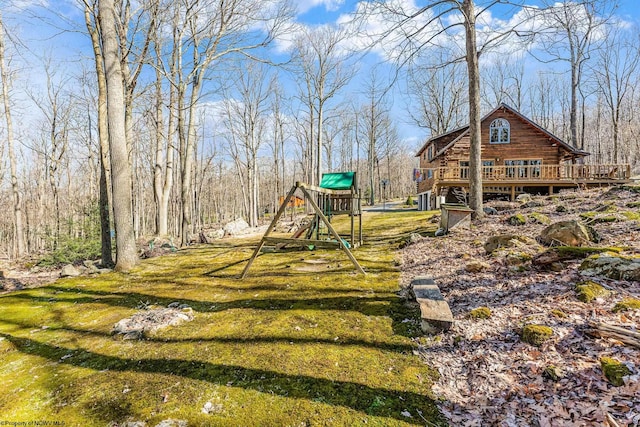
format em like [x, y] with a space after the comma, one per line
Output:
[372, 117]
[205, 32]
[616, 65]
[324, 68]
[412, 30]
[126, 253]
[438, 91]
[503, 82]
[15, 191]
[570, 29]
[55, 106]
[103, 134]
[246, 119]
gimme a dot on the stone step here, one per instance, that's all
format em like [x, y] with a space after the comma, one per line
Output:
[434, 310]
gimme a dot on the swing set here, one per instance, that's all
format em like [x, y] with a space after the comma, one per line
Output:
[337, 194]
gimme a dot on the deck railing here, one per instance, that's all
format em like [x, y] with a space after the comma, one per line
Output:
[529, 173]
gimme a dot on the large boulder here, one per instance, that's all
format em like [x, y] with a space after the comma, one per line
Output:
[70, 270]
[236, 227]
[612, 266]
[568, 233]
[507, 241]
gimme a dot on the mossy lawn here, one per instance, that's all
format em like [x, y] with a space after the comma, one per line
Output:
[303, 340]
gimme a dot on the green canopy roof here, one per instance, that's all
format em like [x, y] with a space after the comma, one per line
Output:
[338, 180]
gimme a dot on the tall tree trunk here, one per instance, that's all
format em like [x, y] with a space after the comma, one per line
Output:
[475, 161]
[126, 254]
[103, 138]
[15, 191]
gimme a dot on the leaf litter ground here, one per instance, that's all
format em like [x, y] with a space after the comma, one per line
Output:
[488, 376]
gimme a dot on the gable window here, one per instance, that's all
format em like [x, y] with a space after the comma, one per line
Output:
[430, 153]
[499, 132]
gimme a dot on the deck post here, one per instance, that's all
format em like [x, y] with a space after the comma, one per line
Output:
[551, 190]
[513, 193]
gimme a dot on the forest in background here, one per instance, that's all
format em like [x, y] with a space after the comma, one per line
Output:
[218, 126]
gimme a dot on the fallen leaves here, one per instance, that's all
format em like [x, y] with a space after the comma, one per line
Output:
[487, 375]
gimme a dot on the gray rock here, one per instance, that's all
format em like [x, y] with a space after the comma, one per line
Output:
[148, 321]
[490, 211]
[523, 198]
[236, 227]
[506, 241]
[611, 266]
[568, 233]
[172, 423]
[70, 270]
[476, 266]
[533, 204]
[215, 234]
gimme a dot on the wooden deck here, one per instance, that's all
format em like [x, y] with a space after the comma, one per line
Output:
[536, 175]
[513, 179]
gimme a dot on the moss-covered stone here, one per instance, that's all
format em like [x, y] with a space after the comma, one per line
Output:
[632, 188]
[476, 266]
[631, 216]
[540, 218]
[517, 219]
[553, 372]
[588, 290]
[559, 313]
[480, 313]
[517, 258]
[633, 205]
[599, 217]
[614, 370]
[536, 334]
[573, 252]
[627, 304]
[614, 266]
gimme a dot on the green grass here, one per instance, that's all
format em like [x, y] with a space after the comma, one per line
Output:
[302, 341]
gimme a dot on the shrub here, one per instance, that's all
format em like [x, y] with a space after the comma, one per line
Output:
[71, 250]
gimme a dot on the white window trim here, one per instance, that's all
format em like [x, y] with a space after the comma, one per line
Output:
[500, 124]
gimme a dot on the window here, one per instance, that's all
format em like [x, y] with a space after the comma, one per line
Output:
[429, 173]
[523, 168]
[499, 132]
[464, 170]
[487, 168]
[430, 152]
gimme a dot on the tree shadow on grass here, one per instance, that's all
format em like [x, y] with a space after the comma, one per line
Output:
[374, 305]
[356, 396]
[265, 339]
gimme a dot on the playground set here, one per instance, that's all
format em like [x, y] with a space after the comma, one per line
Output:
[337, 194]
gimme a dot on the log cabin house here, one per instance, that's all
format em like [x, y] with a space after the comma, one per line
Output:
[518, 156]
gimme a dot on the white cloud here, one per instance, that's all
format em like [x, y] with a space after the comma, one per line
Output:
[303, 6]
